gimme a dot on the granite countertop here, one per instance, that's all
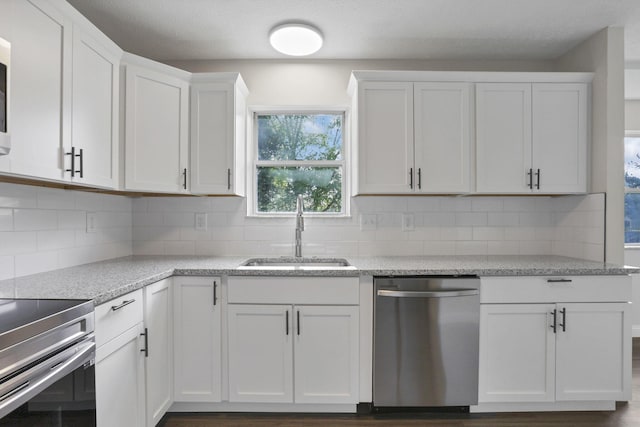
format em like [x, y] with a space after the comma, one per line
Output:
[105, 280]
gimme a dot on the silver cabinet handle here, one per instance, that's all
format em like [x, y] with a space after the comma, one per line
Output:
[428, 294]
[145, 334]
[124, 303]
[530, 176]
[184, 179]
[559, 280]
[286, 323]
[81, 155]
[215, 292]
[72, 169]
[419, 178]
[538, 179]
[228, 179]
[411, 178]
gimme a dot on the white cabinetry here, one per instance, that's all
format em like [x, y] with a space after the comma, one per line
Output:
[40, 74]
[412, 137]
[533, 349]
[531, 137]
[156, 127]
[158, 319]
[197, 339]
[218, 128]
[294, 351]
[92, 157]
[120, 387]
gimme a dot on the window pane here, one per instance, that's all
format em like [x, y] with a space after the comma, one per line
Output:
[632, 218]
[300, 137]
[632, 162]
[321, 188]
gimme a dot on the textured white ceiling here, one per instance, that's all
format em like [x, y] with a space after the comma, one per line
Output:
[363, 29]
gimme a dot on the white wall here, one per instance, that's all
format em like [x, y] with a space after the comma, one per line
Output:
[603, 54]
[44, 229]
[570, 226]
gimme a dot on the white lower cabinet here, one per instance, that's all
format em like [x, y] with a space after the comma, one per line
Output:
[555, 352]
[197, 339]
[120, 386]
[296, 351]
[158, 320]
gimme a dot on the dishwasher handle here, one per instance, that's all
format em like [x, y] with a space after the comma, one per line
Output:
[428, 294]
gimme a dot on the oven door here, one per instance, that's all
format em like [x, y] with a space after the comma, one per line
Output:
[58, 391]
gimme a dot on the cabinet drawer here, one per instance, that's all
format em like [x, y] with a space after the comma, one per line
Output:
[542, 289]
[116, 316]
[294, 290]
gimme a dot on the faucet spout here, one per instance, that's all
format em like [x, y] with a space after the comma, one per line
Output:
[299, 225]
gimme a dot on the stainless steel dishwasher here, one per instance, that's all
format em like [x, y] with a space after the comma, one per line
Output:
[426, 341]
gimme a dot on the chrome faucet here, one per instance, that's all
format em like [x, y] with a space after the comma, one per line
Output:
[299, 225]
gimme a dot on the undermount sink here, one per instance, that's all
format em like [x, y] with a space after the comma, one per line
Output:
[284, 263]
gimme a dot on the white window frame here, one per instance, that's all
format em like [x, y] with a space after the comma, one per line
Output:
[627, 190]
[253, 162]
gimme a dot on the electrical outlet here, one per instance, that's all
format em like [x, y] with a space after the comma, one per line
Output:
[201, 221]
[92, 222]
[408, 222]
[368, 222]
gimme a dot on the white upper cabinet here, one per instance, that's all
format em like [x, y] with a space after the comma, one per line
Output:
[385, 138]
[92, 157]
[531, 137]
[40, 40]
[156, 127]
[218, 128]
[442, 132]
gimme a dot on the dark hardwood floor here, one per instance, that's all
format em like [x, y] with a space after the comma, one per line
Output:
[626, 415]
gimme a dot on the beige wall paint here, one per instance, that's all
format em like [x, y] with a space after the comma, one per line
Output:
[603, 54]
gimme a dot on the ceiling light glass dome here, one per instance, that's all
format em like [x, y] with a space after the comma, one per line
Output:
[296, 39]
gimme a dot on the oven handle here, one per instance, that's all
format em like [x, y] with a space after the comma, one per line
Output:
[428, 294]
[23, 393]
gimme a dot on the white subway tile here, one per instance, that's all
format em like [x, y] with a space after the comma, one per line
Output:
[535, 247]
[389, 220]
[228, 204]
[148, 248]
[390, 248]
[390, 234]
[35, 219]
[488, 233]
[593, 252]
[7, 269]
[440, 219]
[191, 233]
[423, 204]
[519, 204]
[471, 248]
[17, 242]
[17, 196]
[37, 262]
[456, 233]
[526, 234]
[503, 219]
[535, 219]
[179, 248]
[72, 220]
[231, 233]
[147, 219]
[471, 218]
[487, 204]
[439, 248]
[53, 198]
[139, 204]
[391, 204]
[6, 219]
[455, 204]
[503, 248]
[180, 219]
[427, 234]
[55, 239]
[89, 201]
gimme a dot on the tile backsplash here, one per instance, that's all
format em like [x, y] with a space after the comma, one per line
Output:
[567, 225]
[44, 229]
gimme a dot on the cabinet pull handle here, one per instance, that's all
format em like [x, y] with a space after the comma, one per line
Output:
[559, 280]
[286, 323]
[553, 326]
[145, 350]
[411, 178]
[538, 179]
[184, 178]
[564, 319]
[72, 153]
[215, 294]
[81, 170]
[419, 178]
[298, 321]
[228, 179]
[124, 303]
[530, 176]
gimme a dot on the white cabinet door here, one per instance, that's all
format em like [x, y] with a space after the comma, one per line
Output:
[260, 353]
[218, 121]
[442, 137]
[593, 352]
[39, 87]
[517, 353]
[503, 137]
[120, 390]
[326, 354]
[156, 131]
[94, 122]
[385, 141]
[560, 137]
[197, 339]
[158, 319]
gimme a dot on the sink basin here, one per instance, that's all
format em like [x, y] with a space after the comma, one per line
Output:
[284, 263]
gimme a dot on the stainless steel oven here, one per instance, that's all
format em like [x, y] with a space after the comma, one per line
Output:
[47, 353]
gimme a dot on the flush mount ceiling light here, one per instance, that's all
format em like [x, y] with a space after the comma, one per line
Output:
[296, 39]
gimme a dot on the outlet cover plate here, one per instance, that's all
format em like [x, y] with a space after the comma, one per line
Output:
[201, 221]
[368, 222]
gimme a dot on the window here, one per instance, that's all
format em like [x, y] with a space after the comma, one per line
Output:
[632, 188]
[295, 153]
